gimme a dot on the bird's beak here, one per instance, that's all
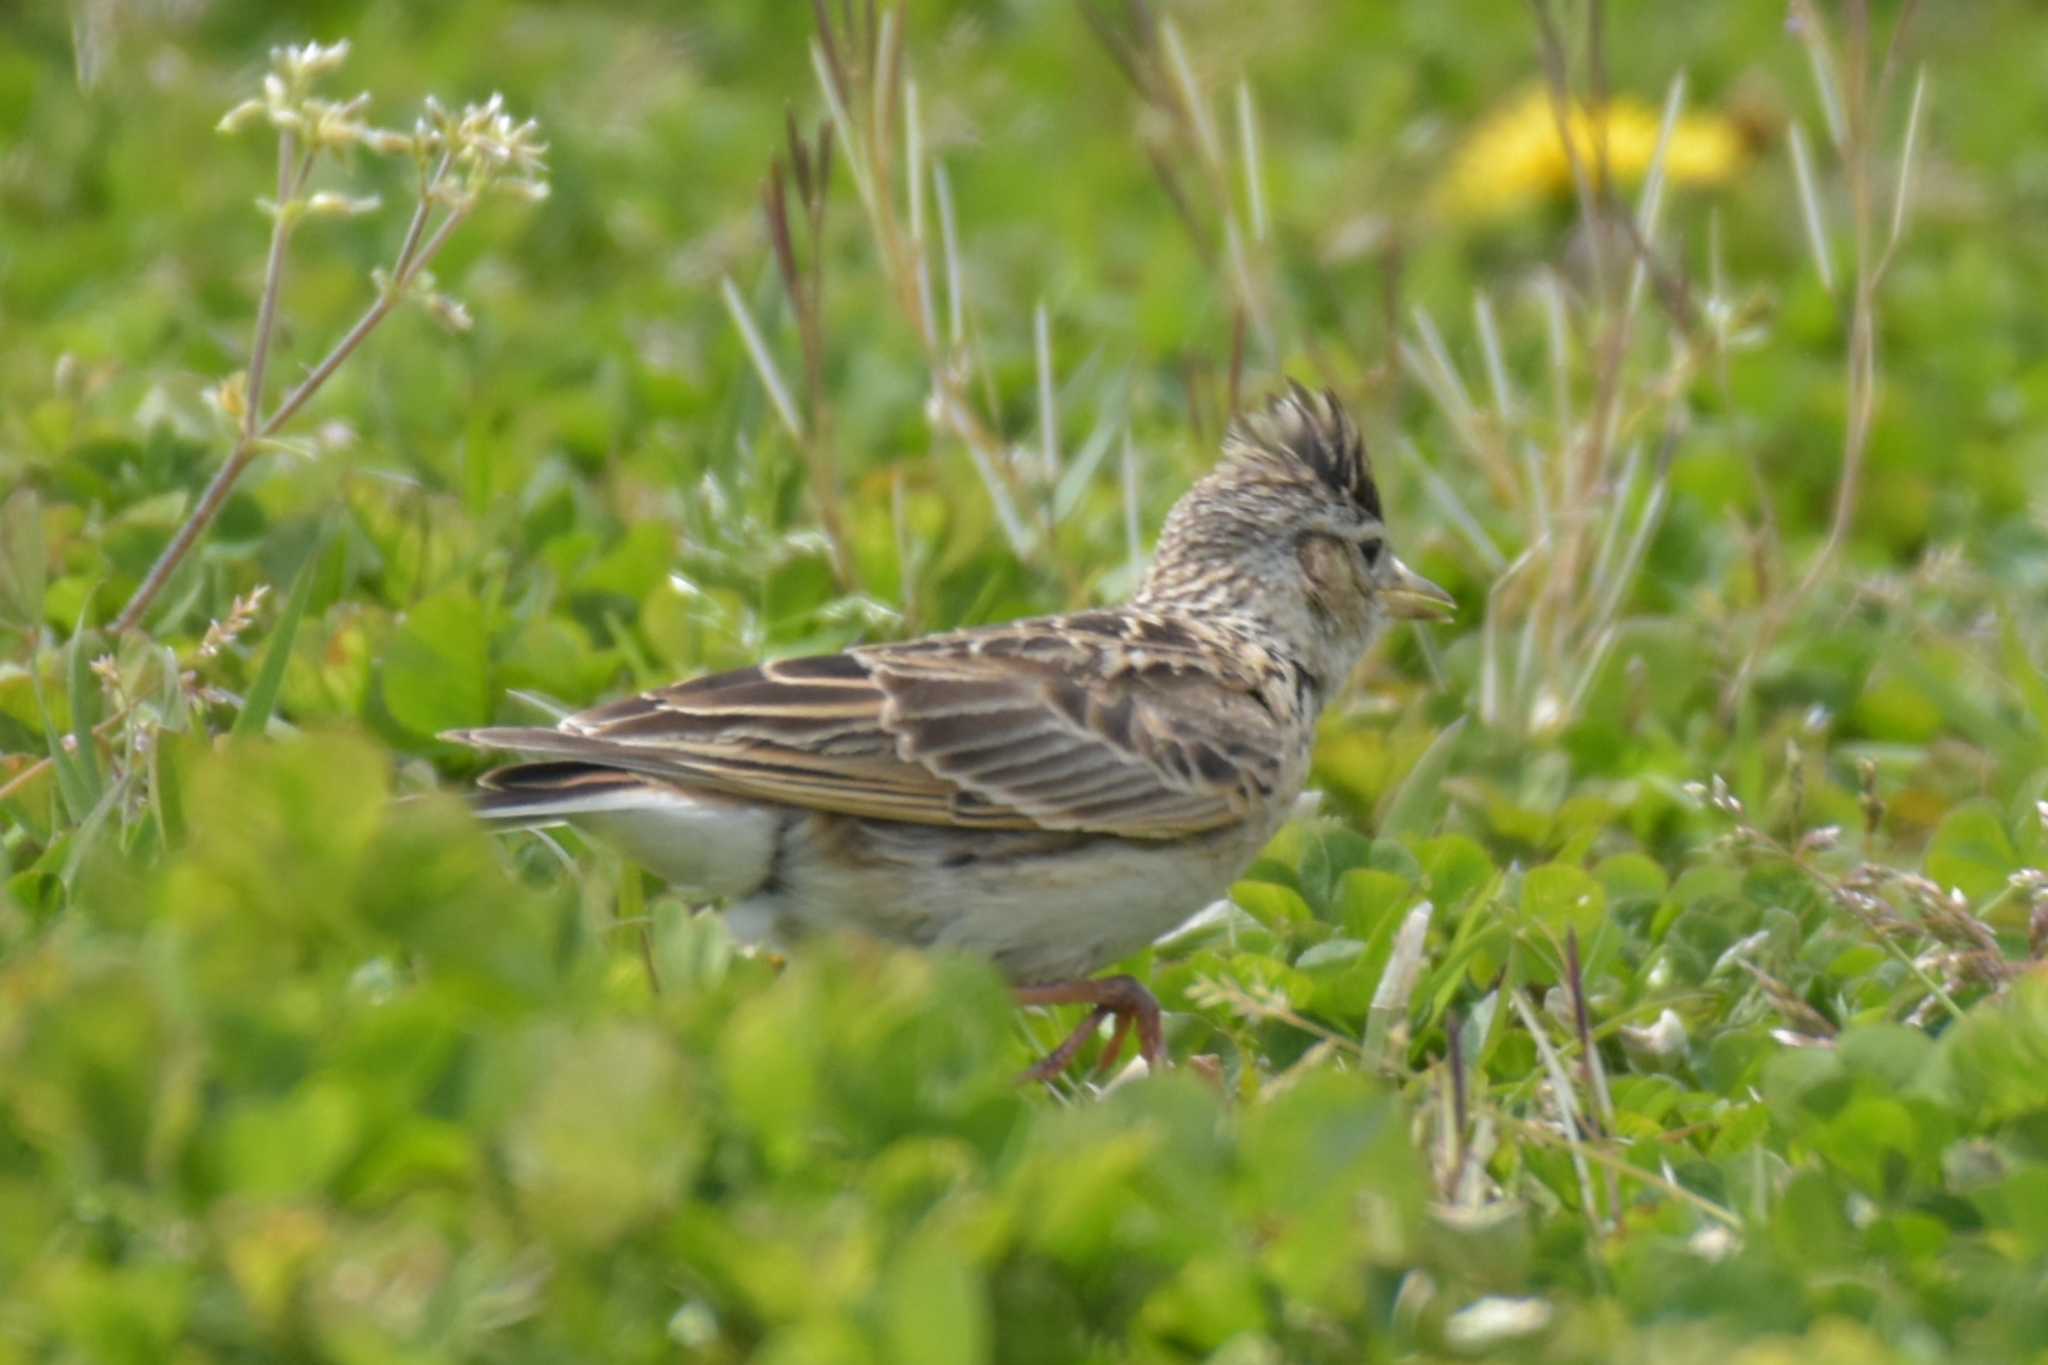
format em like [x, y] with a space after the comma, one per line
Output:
[1415, 598]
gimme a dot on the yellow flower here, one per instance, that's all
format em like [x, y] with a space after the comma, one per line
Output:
[1515, 157]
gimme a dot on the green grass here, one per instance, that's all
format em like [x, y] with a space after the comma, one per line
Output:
[1658, 981]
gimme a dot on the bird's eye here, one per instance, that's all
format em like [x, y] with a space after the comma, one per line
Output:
[1369, 550]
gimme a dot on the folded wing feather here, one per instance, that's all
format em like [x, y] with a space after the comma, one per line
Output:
[960, 731]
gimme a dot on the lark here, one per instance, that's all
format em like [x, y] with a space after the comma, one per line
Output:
[1053, 794]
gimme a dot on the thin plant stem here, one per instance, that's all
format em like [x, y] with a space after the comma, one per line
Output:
[202, 516]
[414, 254]
[1856, 139]
[223, 482]
[273, 279]
[401, 279]
[22, 779]
[1580, 1148]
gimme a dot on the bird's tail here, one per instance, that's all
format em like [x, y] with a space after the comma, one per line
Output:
[549, 792]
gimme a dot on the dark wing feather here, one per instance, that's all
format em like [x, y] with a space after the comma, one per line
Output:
[1094, 723]
[1146, 743]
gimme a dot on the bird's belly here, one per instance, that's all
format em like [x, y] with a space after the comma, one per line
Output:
[705, 846]
[1043, 907]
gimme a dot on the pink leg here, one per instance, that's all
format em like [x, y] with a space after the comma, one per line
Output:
[1115, 997]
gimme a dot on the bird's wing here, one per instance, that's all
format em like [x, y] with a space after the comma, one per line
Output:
[1044, 725]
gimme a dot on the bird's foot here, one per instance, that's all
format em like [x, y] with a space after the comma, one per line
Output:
[1114, 997]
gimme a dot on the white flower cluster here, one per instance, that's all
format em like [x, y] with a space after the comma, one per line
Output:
[489, 148]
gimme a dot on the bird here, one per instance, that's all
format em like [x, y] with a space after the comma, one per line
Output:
[1052, 794]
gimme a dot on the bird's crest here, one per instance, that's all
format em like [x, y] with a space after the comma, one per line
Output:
[1313, 431]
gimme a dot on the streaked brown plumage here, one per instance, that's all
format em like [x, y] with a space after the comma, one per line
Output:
[1053, 793]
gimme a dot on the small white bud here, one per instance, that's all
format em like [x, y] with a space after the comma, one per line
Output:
[532, 191]
[1487, 1322]
[1820, 840]
[1722, 799]
[328, 204]
[230, 397]
[1714, 1242]
[1663, 1039]
[384, 142]
[449, 312]
[1793, 1038]
[308, 60]
[241, 116]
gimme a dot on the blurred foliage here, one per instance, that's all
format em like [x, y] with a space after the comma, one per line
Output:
[1727, 1033]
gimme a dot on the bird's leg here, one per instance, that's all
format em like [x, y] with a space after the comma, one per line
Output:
[1115, 997]
[1060, 1058]
[1114, 1047]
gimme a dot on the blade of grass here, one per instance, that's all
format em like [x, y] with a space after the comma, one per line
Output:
[1506, 405]
[84, 695]
[23, 561]
[1572, 1128]
[1809, 206]
[91, 829]
[914, 176]
[949, 246]
[262, 699]
[1081, 470]
[1390, 999]
[1453, 507]
[763, 358]
[1901, 191]
[1248, 153]
[71, 786]
[1558, 332]
[1414, 807]
[1820, 55]
[1048, 403]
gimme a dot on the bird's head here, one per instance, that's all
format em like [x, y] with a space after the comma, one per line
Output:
[1286, 535]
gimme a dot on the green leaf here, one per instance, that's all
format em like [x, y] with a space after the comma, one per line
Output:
[84, 688]
[437, 668]
[1329, 854]
[1993, 1064]
[1457, 868]
[1370, 901]
[1892, 1055]
[636, 562]
[1874, 1140]
[1417, 806]
[72, 787]
[1802, 1079]
[1312, 1153]
[1893, 708]
[23, 561]
[2020, 670]
[934, 1307]
[1972, 852]
[293, 1145]
[1631, 876]
[1272, 905]
[1211, 1300]
[1559, 897]
[606, 1135]
[262, 698]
